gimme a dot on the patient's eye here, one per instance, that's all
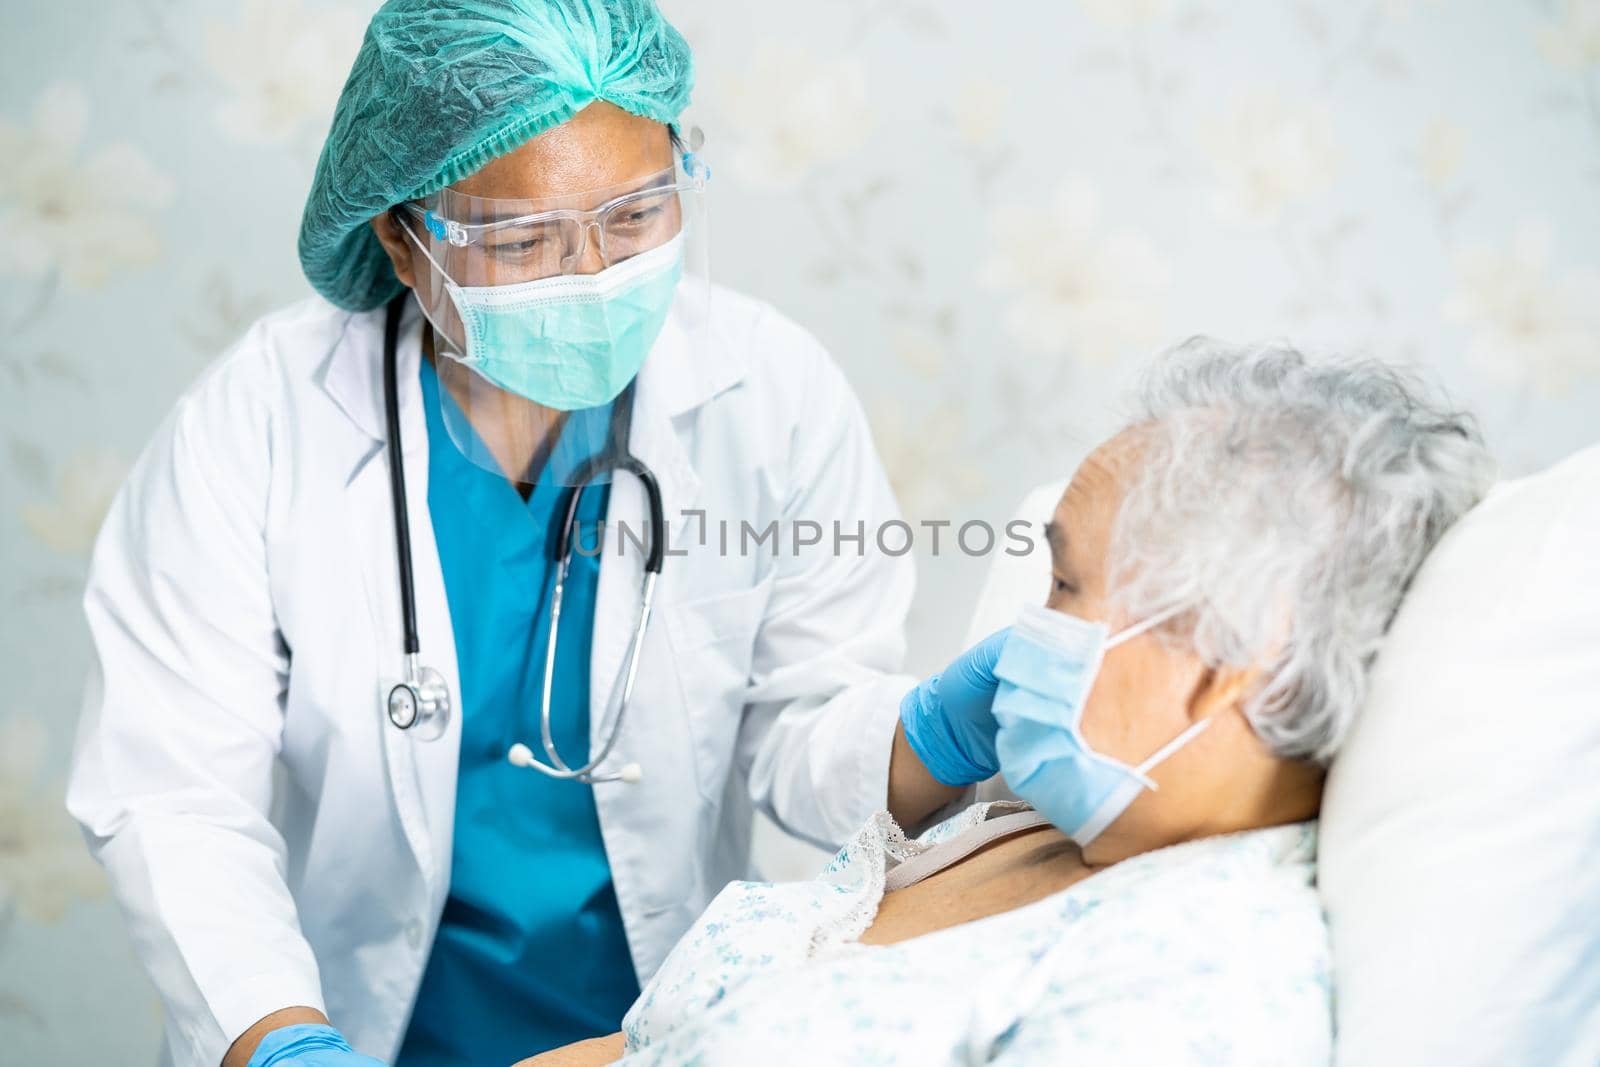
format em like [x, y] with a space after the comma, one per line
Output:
[1059, 586]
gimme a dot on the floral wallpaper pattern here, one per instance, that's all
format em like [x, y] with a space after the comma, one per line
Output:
[992, 214]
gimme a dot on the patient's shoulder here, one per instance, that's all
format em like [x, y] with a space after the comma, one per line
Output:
[1254, 890]
[1223, 941]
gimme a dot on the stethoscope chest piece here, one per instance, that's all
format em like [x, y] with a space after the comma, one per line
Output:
[421, 704]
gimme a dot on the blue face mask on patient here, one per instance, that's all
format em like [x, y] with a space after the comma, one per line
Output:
[1046, 670]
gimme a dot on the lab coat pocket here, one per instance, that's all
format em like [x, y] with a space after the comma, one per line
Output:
[713, 640]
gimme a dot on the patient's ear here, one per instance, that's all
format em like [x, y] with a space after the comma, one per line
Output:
[1221, 690]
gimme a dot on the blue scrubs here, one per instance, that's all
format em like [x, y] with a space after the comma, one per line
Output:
[530, 952]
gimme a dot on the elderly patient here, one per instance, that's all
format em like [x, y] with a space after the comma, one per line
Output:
[1223, 572]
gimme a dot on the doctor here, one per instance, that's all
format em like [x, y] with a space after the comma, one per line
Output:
[323, 603]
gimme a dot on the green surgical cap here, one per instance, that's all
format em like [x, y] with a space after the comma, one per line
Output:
[440, 87]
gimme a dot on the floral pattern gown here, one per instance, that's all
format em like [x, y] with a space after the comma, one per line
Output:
[1209, 952]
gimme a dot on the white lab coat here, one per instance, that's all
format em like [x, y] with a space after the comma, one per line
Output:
[244, 605]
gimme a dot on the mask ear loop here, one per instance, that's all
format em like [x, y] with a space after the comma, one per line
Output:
[426, 254]
[450, 286]
[1166, 750]
[1169, 748]
[1138, 628]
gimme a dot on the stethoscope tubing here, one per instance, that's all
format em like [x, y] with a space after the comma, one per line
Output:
[397, 480]
[616, 458]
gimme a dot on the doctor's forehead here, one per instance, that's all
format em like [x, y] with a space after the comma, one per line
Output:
[599, 147]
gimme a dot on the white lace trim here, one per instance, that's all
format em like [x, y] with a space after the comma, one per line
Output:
[865, 862]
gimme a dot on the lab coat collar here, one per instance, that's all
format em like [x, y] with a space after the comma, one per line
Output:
[352, 375]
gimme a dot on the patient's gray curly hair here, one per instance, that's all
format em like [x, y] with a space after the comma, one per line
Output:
[1287, 504]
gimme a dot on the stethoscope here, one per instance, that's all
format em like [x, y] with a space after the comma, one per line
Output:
[422, 702]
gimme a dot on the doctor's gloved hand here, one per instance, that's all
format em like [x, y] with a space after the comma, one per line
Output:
[308, 1045]
[947, 719]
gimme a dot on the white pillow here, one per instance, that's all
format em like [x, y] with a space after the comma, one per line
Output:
[1460, 847]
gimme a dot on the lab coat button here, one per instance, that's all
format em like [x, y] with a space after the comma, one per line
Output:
[414, 934]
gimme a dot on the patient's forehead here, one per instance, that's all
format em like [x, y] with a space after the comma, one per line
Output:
[1088, 507]
[1091, 498]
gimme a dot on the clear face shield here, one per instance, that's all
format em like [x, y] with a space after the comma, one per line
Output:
[543, 311]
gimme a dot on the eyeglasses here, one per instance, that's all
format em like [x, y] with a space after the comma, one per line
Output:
[493, 241]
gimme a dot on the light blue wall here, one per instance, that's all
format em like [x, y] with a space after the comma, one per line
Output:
[991, 213]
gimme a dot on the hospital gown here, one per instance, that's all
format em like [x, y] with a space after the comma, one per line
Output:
[1209, 952]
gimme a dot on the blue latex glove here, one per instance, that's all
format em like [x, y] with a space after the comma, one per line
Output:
[947, 718]
[308, 1045]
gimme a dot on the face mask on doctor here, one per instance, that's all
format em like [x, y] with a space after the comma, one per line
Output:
[525, 336]
[570, 341]
[510, 301]
[1046, 669]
